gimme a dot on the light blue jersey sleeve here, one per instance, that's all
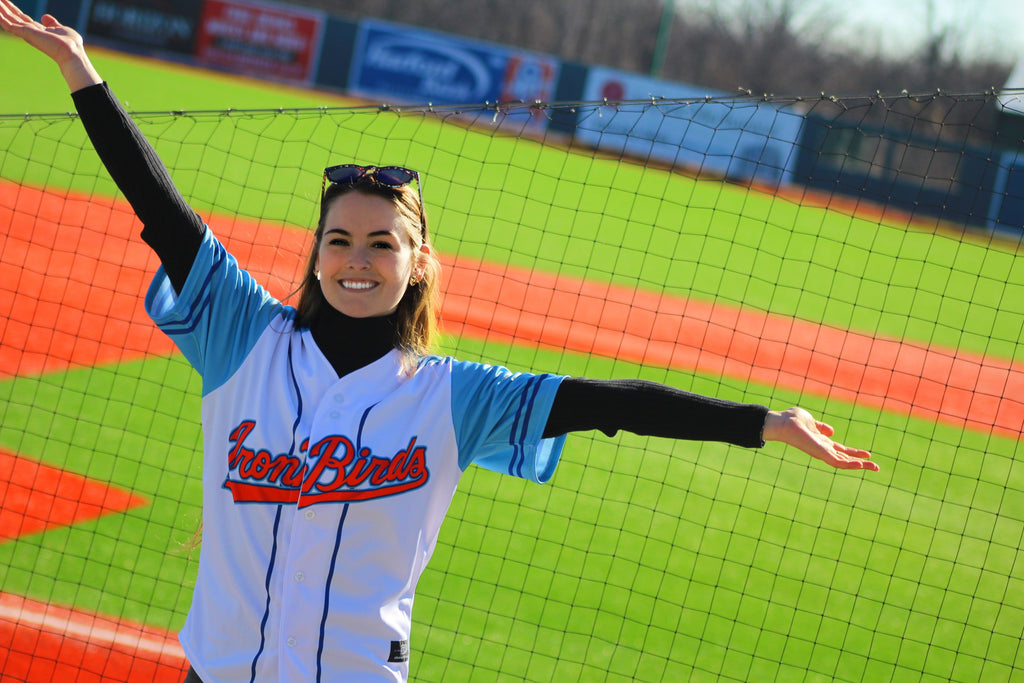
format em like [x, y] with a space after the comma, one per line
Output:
[499, 419]
[218, 316]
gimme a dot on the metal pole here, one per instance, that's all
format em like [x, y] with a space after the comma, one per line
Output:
[661, 42]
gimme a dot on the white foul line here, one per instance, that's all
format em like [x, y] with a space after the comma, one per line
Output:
[86, 628]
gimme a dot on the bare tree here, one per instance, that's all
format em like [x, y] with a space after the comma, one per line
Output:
[766, 46]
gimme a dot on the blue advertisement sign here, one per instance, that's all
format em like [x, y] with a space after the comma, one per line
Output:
[399, 65]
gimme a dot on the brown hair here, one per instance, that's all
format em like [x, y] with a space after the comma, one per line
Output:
[416, 316]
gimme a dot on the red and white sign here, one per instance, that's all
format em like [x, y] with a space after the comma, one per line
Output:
[264, 39]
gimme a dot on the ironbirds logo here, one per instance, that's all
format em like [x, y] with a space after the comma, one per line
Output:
[332, 472]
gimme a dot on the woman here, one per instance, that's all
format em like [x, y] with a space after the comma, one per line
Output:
[333, 441]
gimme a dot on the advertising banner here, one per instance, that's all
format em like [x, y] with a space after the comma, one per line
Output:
[402, 65]
[263, 39]
[168, 25]
[741, 139]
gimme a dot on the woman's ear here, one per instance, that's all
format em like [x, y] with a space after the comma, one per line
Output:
[421, 262]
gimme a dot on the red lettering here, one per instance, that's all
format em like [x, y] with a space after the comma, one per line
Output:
[379, 470]
[373, 468]
[288, 469]
[397, 470]
[361, 494]
[254, 493]
[322, 451]
[238, 436]
[245, 466]
[325, 449]
[261, 465]
[336, 474]
[417, 468]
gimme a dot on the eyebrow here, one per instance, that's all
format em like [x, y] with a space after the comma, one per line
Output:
[375, 233]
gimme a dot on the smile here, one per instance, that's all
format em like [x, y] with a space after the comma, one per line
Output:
[357, 284]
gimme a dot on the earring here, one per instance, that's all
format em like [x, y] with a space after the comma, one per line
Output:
[413, 281]
[318, 276]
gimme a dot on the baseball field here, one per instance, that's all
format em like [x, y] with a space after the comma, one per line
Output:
[643, 559]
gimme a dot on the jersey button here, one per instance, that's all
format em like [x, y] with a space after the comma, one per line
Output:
[310, 514]
[291, 642]
[299, 576]
[338, 398]
[335, 414]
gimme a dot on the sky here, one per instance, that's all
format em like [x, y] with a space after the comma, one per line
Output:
[984, 28]
[891, 28]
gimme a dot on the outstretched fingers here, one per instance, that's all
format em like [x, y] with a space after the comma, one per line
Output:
[851, 458]
[60, 43]
[12, 19]
[48, 34]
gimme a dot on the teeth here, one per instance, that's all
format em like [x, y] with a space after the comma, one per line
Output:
[357, 285]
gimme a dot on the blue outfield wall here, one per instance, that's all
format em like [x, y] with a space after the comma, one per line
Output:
[400, 65]
[962, 184]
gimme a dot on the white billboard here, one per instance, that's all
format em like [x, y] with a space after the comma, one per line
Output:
[690, 126]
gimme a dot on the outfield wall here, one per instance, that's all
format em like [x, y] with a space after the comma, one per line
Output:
[770, 142]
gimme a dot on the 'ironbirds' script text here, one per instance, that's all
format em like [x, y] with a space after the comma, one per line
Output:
[331, 472]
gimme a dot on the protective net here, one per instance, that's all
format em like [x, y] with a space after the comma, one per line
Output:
[855, 256]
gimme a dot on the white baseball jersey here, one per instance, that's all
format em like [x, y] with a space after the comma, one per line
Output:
[323, 497]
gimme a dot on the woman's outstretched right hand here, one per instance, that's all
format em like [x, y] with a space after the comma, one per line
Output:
[60, 43]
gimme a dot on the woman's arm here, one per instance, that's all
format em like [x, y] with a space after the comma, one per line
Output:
[653, 409]
[170, 226]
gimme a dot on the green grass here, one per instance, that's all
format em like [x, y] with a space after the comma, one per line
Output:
[643, 559]
[36, 86]
[128, 425]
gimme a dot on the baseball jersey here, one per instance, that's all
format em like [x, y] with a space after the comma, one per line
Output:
[323, 496]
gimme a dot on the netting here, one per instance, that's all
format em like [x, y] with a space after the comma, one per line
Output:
[855, 256]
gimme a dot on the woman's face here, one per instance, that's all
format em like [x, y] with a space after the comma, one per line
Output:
[366, 255]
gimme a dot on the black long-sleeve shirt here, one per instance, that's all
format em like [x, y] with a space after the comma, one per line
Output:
[175, 231]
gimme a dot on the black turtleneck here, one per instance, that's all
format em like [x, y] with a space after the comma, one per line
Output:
[174, 231]
[351, 343]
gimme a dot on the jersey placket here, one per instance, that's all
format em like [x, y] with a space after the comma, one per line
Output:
[316, 532]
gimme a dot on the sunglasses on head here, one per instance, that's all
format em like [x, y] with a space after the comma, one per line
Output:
[386, 176]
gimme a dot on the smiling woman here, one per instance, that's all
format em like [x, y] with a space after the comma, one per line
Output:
[371, 256]
[333, 439]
